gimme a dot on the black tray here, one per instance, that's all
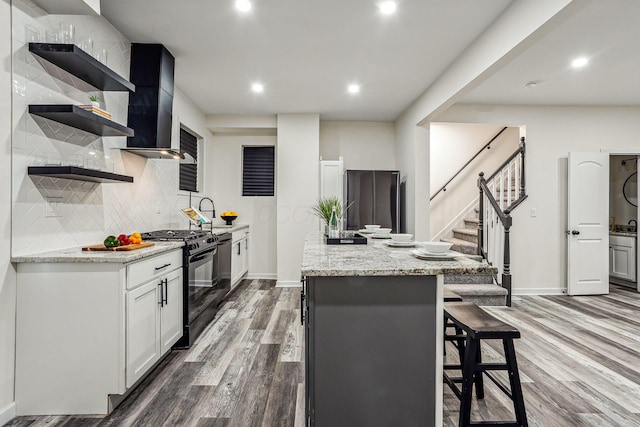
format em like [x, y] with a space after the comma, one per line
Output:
[357, 239]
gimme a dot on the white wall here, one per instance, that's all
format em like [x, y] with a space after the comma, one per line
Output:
[452, 145]
[539, 243]
[224, 185]
[363, 145]
[7, 270]
[298, 154]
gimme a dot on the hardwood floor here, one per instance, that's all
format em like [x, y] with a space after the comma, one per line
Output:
[579, 362]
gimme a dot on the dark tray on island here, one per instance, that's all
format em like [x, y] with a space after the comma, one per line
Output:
[349, 238]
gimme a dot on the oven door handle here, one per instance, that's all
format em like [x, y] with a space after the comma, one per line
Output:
[203, 255]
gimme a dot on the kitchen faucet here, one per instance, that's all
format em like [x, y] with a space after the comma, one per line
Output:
[213, 208]
[635, 224]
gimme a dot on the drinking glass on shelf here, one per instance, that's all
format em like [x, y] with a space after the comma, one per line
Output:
[31, 34]
[86, 43]
[101, 55]
[91, 160]
[76, 160]
[53, 158]
[51, 36]
[67, 33]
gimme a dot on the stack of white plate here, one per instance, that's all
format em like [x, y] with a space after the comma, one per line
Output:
[435, 256]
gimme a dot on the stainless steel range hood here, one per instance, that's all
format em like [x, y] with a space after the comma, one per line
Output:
[151, 106]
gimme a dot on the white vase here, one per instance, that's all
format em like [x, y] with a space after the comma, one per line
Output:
[95, 104]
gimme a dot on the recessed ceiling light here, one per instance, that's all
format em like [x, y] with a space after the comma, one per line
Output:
[353, 88]
[387, 7]
[257, 87]
[579, 62]
[243, 5]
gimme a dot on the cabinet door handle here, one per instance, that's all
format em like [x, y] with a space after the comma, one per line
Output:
[302, 298]
[163, 266]
[161, 302]
[166, 292]
[238, 248]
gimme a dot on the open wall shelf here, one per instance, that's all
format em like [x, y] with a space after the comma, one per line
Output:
[76, 61]
[78, 174]
[79, 118]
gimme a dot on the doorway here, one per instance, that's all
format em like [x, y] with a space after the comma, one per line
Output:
[623, 212]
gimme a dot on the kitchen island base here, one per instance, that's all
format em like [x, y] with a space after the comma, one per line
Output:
[374, 350]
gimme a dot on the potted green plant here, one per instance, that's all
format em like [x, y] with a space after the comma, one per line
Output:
[94, 101]
[323, 206]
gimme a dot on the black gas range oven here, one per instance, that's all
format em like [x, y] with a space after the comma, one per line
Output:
[205, 285]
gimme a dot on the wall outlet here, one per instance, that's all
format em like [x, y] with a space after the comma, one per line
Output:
[533, 213]
[53, 207]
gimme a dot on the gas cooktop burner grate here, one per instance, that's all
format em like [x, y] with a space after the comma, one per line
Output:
[174, 234]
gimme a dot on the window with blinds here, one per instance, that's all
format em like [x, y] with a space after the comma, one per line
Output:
[258, 166]
[189, 173]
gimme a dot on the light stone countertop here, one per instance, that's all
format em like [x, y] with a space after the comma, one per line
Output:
[221, 228]
[77, 255]
[377, 259]
[623, 233]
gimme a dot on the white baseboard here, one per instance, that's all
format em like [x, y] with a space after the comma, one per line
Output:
[7, 413]
[288, 284]
[265, 276]
[540, 291]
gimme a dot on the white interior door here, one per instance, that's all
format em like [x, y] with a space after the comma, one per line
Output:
[588, 219]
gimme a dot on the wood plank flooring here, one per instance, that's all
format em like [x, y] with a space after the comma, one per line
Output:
[579, 360]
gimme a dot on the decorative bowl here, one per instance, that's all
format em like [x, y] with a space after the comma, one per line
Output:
[436, 247]
[401, 237]
[383, 231]
[229, 218]
[371, 227]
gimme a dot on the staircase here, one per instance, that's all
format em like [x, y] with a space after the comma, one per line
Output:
[477, 288]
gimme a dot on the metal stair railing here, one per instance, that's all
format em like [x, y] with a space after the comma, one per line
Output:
[497, 199]
[486, 146]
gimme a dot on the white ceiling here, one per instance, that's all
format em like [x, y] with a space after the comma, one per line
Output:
[305, 52]
[606, 31]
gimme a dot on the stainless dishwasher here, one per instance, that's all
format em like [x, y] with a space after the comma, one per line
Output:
[224, 265]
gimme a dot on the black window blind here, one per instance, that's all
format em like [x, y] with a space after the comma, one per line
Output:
[258, 166]
[188, 172]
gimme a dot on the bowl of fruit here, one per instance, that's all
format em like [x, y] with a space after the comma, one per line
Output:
[229, 216]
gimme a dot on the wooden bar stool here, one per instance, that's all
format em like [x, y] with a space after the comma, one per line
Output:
[476, 325]
[450, 297]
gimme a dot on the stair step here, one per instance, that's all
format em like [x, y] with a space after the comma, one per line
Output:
[468, 234]
[471, 222]
[468, 279]
[476, 258]
[462, 246]
[487, 295]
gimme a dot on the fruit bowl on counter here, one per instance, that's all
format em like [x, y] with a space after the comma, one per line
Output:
[229, 217]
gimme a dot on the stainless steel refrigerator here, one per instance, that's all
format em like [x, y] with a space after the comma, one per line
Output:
[376, 199]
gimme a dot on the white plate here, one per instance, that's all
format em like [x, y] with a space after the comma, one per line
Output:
[447, 256]
[400, 244]
[422, 251]
[380, 236]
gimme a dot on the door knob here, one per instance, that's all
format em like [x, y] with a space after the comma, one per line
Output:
[575, 232]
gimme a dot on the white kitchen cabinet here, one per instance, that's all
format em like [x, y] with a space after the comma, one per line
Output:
[87, 331]
[154, 323]
[239, 256]
[622, 257]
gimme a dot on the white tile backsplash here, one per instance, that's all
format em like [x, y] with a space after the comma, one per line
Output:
[89, 211]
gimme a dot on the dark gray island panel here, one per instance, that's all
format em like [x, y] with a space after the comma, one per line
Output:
[371, 351]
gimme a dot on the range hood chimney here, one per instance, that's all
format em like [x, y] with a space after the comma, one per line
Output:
[151, 105]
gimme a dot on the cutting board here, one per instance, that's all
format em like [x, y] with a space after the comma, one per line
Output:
[131, 247]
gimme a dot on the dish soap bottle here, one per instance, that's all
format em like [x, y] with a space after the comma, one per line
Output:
[333, 224]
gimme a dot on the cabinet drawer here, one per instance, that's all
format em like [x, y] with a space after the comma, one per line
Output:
[237, 235]
[626, 241]
[147, 269]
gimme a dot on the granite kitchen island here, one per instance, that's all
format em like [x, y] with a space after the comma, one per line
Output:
[373, 333]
